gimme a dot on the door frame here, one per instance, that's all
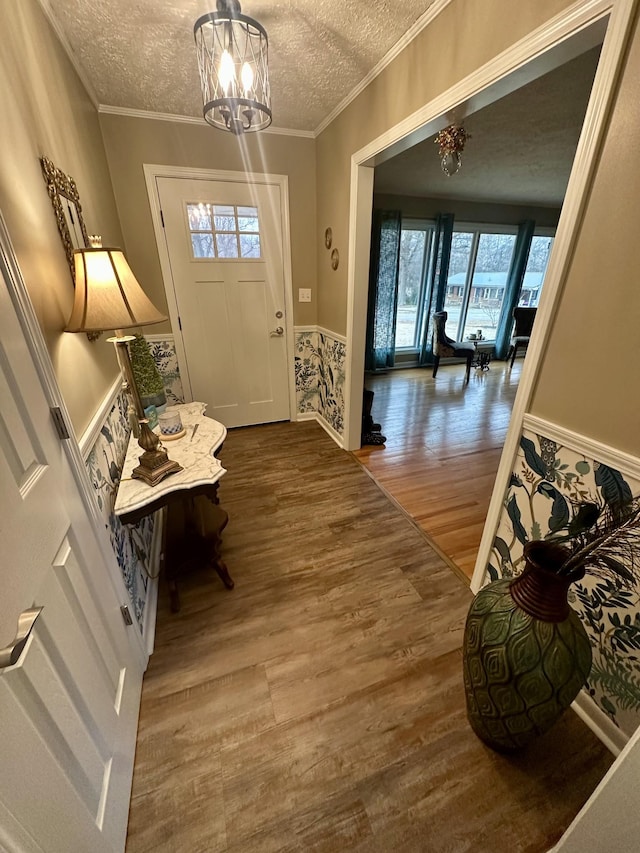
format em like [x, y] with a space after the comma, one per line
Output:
[153, 171]
[12, 276]
[547, 47]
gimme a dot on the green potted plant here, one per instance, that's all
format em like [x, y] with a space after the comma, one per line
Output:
[148, 379]
[526, 654]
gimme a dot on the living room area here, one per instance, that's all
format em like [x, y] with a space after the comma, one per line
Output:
[475, 244]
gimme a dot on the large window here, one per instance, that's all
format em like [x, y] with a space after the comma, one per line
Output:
[478, 269]
[415, 245]
[478, 310]
[535, 271]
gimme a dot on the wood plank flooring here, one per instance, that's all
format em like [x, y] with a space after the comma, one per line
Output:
[443, 447]
[319, 706]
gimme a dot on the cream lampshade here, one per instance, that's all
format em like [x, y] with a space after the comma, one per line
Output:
[108, 296]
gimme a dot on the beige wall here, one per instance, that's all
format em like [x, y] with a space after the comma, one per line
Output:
[45, 111]
[589, 377]
[131, 142]
[473, 33]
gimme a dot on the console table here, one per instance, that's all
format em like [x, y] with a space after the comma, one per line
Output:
[198, 523]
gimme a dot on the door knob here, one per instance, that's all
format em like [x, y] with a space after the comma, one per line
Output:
[26, 621]
[277, 333]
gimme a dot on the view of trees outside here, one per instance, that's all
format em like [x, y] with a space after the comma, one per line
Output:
[490, 271]
[410, 275]
[536, 263]
[488, 283]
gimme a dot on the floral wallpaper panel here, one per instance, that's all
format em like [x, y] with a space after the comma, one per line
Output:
[164, 354]
[547, 479]
[307, 370]
[131, 543]
[319, 361]
[332, 354]
[319, 367]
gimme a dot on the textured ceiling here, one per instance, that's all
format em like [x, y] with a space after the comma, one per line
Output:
[141, 55]
[521, 147]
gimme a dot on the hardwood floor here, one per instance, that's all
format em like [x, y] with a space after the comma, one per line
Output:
[319, 706]
[443, 447]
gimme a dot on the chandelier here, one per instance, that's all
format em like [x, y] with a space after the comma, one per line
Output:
[234, 74]
[451, 142]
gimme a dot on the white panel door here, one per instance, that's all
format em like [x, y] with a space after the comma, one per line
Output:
[69, 703]
[224, 240]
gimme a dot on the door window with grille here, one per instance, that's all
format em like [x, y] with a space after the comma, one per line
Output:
[224, 231]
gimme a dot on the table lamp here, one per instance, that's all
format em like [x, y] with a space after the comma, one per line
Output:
[108, 296]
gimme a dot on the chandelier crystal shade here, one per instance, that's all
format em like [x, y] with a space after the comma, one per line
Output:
[232, 58]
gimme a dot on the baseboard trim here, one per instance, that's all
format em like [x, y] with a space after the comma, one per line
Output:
[326, 426]
[151, 608]
[611, 736]
[590, 447]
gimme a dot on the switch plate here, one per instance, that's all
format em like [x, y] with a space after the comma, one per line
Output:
[304, 294]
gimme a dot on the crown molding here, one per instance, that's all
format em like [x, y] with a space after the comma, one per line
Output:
[71, 56]
[423, 21]
[106, 109]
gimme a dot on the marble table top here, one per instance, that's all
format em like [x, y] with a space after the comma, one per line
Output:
[194, 451]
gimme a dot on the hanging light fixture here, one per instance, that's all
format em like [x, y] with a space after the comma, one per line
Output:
[234, 74]
[451, 140]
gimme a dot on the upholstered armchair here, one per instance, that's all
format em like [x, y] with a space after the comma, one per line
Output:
[445, 347]
[523, 325]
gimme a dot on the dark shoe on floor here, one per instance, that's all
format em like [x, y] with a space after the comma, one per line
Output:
[373, 438]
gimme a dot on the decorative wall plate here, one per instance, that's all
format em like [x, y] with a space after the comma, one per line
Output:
[328, 238]
[335, 259]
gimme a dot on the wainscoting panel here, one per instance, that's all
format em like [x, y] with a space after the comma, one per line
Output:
[554, 468]
[307, 370]
[163, 351]
[132, 545]
[319, 369]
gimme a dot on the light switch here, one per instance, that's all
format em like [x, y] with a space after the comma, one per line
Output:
[304, 294]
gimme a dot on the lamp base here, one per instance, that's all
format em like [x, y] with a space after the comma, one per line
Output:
[154, 466]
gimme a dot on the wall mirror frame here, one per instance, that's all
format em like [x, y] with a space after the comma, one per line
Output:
[65, 199]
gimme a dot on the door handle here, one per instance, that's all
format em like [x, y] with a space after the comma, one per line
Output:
[11, 654]
[277, 333]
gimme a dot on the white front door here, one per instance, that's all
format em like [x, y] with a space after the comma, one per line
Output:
[225, 247]
[69, 701]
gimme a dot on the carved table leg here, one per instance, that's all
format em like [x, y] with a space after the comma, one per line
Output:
[213, 520]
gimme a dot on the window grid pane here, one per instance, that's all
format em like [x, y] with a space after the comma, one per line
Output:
[454, 303]
[488, 284]
[224, 231]
[410, 275]
[535, 272]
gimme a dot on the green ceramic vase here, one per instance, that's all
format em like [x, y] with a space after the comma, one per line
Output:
[526, 654]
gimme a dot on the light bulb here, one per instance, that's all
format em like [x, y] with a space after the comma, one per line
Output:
[227, 71]
[247, 78]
